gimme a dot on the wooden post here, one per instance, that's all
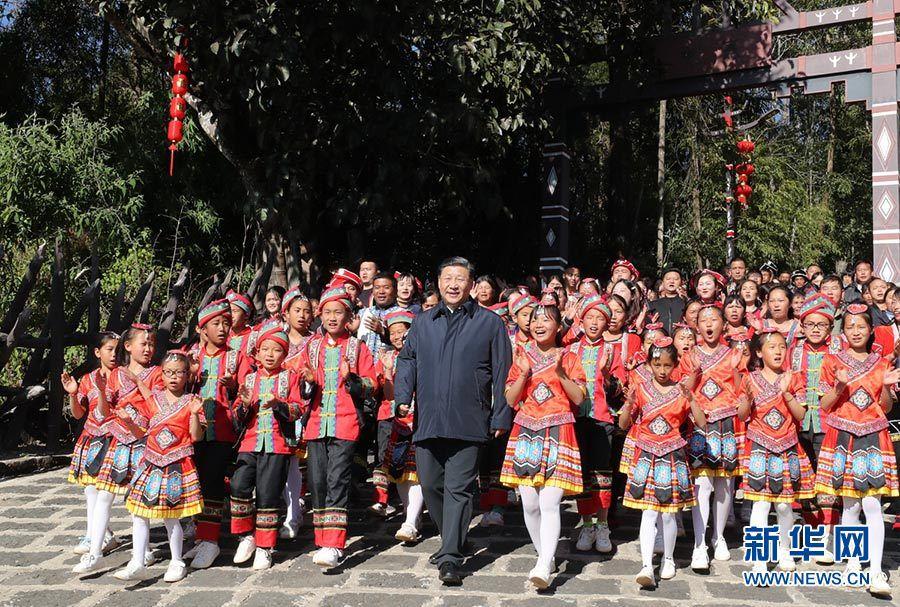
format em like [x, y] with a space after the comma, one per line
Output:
[167, 319]
[21, 297]
[93, 320]
[57, 350]
[555, 209]
[138, 302]
[114, 322]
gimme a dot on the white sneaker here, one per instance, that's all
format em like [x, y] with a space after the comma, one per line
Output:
[826, 558]
[645, 578]
[658, 547]
[539, 577]
[760, 567]
[389, 510]
[602, 543]
[786, 561]
[407, 533]
[131, 571]
[175, 572]
[878, 584]
[586, 538]
[262, 559]
[110, 542]
[149, 558]
[205, 555]
[87, 564]
[721, 551]
[192, 552]
[378, 509]
[327, 558]
[700, 559]
[245, 548]
[667, 570]
[83, 546]
[288, 531]
[492, 519]
[853, 567]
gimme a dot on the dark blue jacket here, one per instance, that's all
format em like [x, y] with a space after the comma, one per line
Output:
[455, 364]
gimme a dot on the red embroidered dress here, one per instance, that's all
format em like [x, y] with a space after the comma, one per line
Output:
[125, 450]
[542, 450]
[776, 468]
[857, 457]
[638, 375]
[167, 485]
[658, 477]
[91, 446]
[715, 451]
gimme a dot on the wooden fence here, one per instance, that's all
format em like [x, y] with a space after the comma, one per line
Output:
[35, 407]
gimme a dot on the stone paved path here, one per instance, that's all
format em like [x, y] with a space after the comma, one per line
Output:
[41, 518]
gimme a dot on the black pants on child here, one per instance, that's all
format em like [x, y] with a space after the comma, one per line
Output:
[267, 474]
[328, 463]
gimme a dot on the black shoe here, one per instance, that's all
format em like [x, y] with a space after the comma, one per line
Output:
[449, 574]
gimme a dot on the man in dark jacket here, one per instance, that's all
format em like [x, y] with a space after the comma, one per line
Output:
[454, 365]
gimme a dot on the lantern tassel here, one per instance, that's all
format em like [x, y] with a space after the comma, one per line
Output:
[171, 159]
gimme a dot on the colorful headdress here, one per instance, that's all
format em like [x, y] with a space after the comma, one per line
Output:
[624, 263]
[220, 307]
[770, 267]
[857, 308]
[141, 326]
[518, 301]
[549, 298]
[817, 304]
[289, 298]
[594, 302]
[660, 344]
[500, 309]
[273, 330]
[681, 326]
[741, 337]
[591, 281]
[335, 293]
[344, 276]
[404, 316]
[799, 274]
[240, 300]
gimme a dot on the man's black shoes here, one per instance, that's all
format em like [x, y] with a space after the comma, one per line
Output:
[449, 574]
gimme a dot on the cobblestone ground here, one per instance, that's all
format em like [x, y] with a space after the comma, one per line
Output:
[41, 519]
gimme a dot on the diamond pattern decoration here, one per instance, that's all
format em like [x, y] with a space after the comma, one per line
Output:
[861, 399]
[542, 393]
[710, 389]
[885, 205]
[887, 270]
[552, 180]
[166, 438]
[551, 237]
[659, 426]
[884, 143]
[774, 419]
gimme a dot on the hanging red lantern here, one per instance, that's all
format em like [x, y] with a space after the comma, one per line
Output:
[744, 190]
[175, 132]
[177, 108]
[179, 84]
[180, 63]
[177, 105]
[742, 200]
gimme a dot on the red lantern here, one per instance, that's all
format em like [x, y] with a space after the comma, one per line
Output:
[179, 84]
[744, 190]
[180, 63]
[177, 108]
[742, 200]
[175, 132]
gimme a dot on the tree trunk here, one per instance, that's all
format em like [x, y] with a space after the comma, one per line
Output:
[695, 194]
[661, 185]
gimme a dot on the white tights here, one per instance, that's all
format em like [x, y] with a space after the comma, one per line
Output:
[99, 519]
[669, 528]
[413, 501]
[541, 509]
[704, 488]
[90, 496]
[140, 538]
[759, 517]
[871, 507]
[292, 494]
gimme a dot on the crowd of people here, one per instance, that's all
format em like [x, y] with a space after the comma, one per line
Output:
[662, 395]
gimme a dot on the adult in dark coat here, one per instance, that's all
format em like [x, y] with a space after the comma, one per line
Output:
[454, 365]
